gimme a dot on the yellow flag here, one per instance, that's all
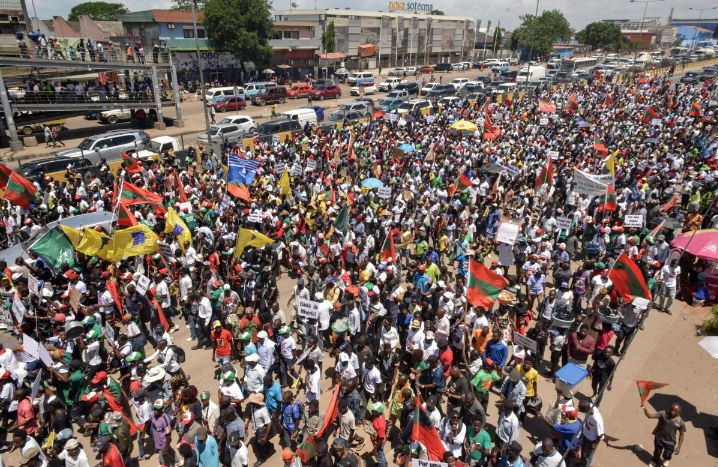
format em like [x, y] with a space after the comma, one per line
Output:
[73, 234]
[94, 243]
[611, 163]
[249, 237]
[134, 241]
[176, 225]
[284, 184]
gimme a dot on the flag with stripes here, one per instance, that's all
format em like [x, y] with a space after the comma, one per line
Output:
[240, 169]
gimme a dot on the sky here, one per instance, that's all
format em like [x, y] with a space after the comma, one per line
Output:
[507, 11]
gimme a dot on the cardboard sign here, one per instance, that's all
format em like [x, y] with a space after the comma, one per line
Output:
[391, 117]
[279, 167]
[513, 171]
[553, 154]
[74, 299]
[275, 139]
[296, 171]
[543, 121]
[407, 195]
[640, 303]
[430, 118]
[633, 220]
[480, 122]
[6, 318]
[311, 164]
[44, 355]
[254, 217]
[308, 309]
[402, 122]
[564, 223]
[109, 333]
[383, 192]
[166, 251]
[656, 122]
[36, 385]
[524, 341]
[33, 285]
[507, 233]
[421, 463]
[18, 309]
[143, 283]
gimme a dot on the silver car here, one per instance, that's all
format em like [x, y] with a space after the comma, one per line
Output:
[108, 146]
[221, 131]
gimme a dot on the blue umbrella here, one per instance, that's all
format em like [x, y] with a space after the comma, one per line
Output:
[407, 147]
[372, 183]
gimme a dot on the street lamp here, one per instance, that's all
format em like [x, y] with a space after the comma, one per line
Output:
[531, 47]
[700, 15]
[200, 66]
[643, 20]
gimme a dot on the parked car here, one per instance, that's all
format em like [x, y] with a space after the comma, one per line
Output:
[352, 116]
[109, 145]
[56, 168]
[389, 84]
[398, 71]
[245, 122]
[298, 90]
[368, 89]
[323, 82]
[230, 103]
[445, 67]
[449, 101]
[509, 76]
[354, 106]
[272, 95]
[317, 109]
[326, 91]
[389, 104]
[221, 131]
[425, 90]
[411, 88]
[442, 90]
[368, 100]
[459, 83]
[114, 116]
[457, 66]
[483, 79]
[398, 94]
[413, 105]
[426, 69]
[690, 78]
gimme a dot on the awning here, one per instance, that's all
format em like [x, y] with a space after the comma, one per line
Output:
[332, 56]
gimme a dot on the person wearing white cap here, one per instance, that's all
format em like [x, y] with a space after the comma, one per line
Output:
[74, 455]
[265, 352]
[254, 374]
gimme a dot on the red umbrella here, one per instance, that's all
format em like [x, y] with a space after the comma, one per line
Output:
[704, 244]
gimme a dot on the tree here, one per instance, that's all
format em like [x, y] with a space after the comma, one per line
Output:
[185, 5]
[550, 26]
[242, 28]
[329, 43]
[437, 12]
[98, 11]
[602, 35]
[497, 39]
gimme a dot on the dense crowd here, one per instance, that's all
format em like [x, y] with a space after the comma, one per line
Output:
[383, 296]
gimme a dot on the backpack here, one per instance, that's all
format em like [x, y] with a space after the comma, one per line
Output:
[179, 353]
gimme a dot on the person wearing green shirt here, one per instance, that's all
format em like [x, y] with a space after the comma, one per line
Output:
[432, 270]
[478, 442]
[483, 381]
[189, 219]
[421, 247]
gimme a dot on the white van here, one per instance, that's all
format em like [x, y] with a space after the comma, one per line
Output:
[535, 73]
[358, 78]
[302, 116]
[500, 66]
[611, 57]
[215, 94]
[256, 87]
[506, 88]
[554, 63]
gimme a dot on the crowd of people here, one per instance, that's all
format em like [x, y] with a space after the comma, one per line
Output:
[309, 274]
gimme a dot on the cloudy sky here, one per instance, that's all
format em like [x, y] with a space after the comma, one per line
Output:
[507, 11]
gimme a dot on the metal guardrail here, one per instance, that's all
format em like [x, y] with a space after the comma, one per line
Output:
[86, 97]
[109, 55]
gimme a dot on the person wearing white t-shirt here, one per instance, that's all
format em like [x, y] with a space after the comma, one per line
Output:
[238, 451]
[668, 277]
[592, 433]
[74, 455]
[545, 454]
[371, 377]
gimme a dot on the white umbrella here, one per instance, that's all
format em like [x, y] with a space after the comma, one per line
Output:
[268, 72]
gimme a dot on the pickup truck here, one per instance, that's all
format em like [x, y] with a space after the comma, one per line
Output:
[160, 146]
[389, 84]
[118, 115]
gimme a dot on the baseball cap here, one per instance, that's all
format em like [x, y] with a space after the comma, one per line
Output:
[339, 442]
[415, 324]
[99, 377]
[202, 434]
[233, 438]
[251, 358]
[287, 454]
[187, 418]
[376, 407]
[159, 404]
[430, 335]
[228, 376]
[262, 335]
[101, 443]
[514, 446]
[217, 324]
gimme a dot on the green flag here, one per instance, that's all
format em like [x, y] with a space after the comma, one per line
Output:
[55, 249]
[341, 222]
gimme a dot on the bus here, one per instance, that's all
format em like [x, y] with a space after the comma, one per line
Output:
[676, 51]
[573, 64]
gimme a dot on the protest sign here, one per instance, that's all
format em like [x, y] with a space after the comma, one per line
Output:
[633, 220]
[586, 185]
[524, 341]
[507, 233]
[143, 283]
[383, 192]
[308, 309]
[564, 223]
[254, 217]
[33, 285]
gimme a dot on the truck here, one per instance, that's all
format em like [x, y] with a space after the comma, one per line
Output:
[161, 145]
[534, 74]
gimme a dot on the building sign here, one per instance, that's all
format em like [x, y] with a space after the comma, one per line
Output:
[410, 6]
[212, 61]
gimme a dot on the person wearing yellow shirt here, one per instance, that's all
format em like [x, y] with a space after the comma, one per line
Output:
[406, 239]
[528, 371]
[432, 270]
[442, 245]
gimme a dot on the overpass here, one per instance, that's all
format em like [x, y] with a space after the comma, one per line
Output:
[43, 68]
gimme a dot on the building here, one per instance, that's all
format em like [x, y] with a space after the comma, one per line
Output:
[646, 24]
[69, 33]
[13, 19]
[649, 31]
[401, 37]
[694, 36]
[295, 46]
[709, 24]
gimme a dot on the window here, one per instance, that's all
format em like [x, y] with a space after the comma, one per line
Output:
[291, 34]
[200, 33]
[189, 33]
[277, 35]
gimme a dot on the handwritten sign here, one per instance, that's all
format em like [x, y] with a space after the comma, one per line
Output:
[543, 121]
[279, 167]
[508, 233]
[553, 154]
[143, 283]
[513, 171]
[524, 341]
[18, 309]
[109, 333]
[607, 179]
[275, 139]
[36, 385]
[33, 285]
[311, 164]
[383, 192]
[254, 217]
[74, 299]
[430, 118]
[633, 220]
[640, 303]
[308, 309]
[166, 251]
[402, 122]
[5, 318]
[564, 223]
[586, 185]
[656, 122]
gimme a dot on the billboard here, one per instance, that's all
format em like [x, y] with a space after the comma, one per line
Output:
[386, 32]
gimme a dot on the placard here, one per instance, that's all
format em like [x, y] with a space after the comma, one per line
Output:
[143, 283]
[18, 309]
[480, 122]
[640, 303]
[279, 167]
[564, 223]
[383, 192]
[553, 154]
[402, 122]
[311, 164]
[422, 463]
[430, 118]
[524, 341]
[586, 185]
[513, 171]
[507, 233]
[656, 122]
[44, 355]
[275, 139]
[543, 121]
[74, 299]
[6, 318]
[254, 217]
[36, 385]
[308, 309]
[166, 250]
[33, 285]
[109, 333]
[633, 220]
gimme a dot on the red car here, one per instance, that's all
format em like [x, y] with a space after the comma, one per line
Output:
[426, 69]
[299, 90]
[231, 103]
[325, 91]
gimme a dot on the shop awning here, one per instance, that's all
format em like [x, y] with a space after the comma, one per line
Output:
[332, 56]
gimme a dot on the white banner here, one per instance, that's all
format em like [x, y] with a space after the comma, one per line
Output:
[524, 341]
[553, 154]
[308, 309]
[633, 220]
[586, 185]
[656, 122]
[513, 171]
[564, 223]
[421, 463]
[543, 121]
[33, 285]
[143, 283]
[254, 217]
[508, 233]
[606, 179]
[383, 192]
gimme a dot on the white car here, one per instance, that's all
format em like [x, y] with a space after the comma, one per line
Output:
[411, 70]
[398, 71]
[459, 83]
[425, 90]
[390, 83]
[457, 66]
[356, 90]
[245, 122]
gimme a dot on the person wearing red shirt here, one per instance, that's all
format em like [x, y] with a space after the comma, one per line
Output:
[379, 423]
[25, 413]
[446, 355]
[111, 456]
[250, 323]
[221, 343]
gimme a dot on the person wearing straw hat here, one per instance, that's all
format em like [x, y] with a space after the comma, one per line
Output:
[261, 422]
